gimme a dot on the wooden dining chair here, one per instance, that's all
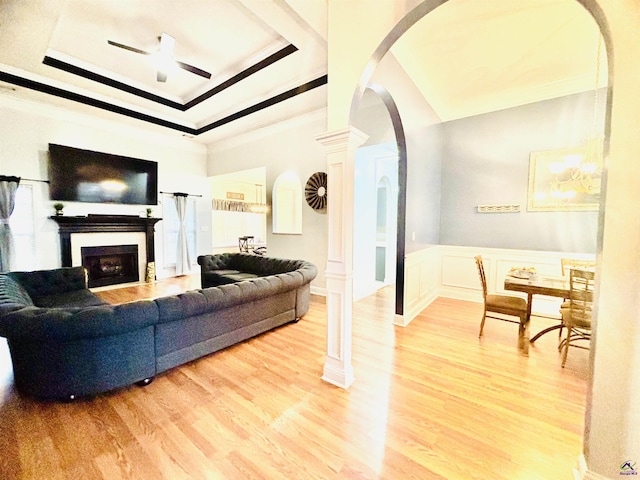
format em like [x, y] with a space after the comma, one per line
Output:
[566, 264]
[577, 318]
[501, 304]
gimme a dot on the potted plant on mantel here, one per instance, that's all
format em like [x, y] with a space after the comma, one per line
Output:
[149, 212]
[58, 208]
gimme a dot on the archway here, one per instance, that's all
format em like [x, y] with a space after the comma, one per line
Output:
[593, 7]
[412, 18]
[387, 149]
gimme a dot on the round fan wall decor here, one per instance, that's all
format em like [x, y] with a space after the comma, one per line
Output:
[315, 191]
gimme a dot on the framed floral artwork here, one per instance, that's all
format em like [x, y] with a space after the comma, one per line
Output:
[566, 179]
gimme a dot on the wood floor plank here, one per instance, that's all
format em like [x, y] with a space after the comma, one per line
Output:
[430, 401]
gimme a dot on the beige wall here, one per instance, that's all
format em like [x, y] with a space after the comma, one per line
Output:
[613, 418]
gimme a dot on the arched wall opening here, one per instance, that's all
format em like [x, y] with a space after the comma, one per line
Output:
[396, 33]
[399, 152]
[594, 9]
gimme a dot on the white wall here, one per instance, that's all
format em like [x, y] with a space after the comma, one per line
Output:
[28, 127]
[288, 146]
[423, 134]
[371, 165]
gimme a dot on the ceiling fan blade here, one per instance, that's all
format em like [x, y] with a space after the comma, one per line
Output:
[127, 47]
[192, 69]
[167, 44]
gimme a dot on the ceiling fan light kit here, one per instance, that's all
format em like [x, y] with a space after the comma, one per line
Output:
[163, 58]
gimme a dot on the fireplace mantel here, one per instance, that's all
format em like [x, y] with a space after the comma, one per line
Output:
[68, 225]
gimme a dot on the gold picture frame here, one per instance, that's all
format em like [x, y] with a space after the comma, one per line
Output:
[565, 179]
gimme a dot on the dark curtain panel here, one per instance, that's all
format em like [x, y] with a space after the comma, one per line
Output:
[8, 187]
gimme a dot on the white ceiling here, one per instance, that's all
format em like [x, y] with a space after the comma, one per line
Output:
[224, 37]
[469, 57]
[466, 57]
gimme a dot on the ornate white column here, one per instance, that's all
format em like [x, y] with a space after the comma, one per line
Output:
[341, 146]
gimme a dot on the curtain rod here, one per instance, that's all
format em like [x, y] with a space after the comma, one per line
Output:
[33, 180]
[181, 194]
[26, 179]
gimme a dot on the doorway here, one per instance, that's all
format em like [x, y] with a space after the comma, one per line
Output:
[375, 222]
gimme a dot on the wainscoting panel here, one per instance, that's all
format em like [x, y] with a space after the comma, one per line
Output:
[421, 280]
[462, 280]
[450, 271]
[459, 272]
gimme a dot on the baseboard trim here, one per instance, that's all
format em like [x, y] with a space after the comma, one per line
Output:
[412, 311]
[339, 378]
[320, 291]
[582, 471]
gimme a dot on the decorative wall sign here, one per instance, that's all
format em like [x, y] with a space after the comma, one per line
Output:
[315, 191]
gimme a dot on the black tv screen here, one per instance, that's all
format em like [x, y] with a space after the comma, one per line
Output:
[78, 175]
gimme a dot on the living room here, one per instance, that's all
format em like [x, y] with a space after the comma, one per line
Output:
[185, 166]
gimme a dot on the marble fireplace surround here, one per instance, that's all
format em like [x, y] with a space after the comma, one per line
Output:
[106, 230]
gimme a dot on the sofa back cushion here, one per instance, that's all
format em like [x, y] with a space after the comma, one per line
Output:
[262, 266]
[32, 324]
[214, 262]
[42, 283]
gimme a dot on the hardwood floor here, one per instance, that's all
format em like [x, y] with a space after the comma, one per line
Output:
[430, 401]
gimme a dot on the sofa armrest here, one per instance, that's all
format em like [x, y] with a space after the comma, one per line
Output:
[42, 283]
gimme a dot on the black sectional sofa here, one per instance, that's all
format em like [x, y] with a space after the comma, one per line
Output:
[65, 342]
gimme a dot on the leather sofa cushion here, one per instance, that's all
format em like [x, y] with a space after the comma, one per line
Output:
[215, 278]
[77, 298]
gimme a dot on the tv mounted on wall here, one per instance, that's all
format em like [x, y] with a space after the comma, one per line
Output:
[78, 175]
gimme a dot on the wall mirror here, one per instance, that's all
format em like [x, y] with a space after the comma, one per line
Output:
[287, 204]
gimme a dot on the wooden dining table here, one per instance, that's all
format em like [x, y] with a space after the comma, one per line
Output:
[538, 285]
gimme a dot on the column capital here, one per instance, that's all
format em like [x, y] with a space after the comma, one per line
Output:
[338, 140]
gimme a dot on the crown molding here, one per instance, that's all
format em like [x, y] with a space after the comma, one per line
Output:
[127, 130]
[268, 130]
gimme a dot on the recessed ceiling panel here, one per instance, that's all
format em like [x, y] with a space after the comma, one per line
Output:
[218, 37]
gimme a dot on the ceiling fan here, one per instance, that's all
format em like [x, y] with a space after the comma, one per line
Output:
[164, 57]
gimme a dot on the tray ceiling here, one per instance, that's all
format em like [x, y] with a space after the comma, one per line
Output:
[258, 53]
[267, 59]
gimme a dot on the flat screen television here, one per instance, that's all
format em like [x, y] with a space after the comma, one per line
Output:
[78, 175]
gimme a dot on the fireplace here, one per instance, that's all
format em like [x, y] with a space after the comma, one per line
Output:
[110, 265]
[108, 230]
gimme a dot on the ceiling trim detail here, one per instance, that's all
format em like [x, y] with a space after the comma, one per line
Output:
[183, 107]
[76, 97]
[305, 87]
[110, 82]
[271, 59]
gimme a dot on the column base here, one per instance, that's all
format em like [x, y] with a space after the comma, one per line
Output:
[339, 377]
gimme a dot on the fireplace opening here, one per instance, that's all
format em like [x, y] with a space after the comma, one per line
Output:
[110, 265]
